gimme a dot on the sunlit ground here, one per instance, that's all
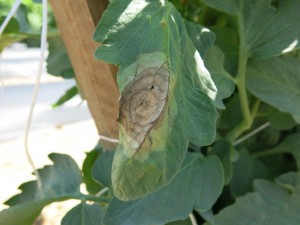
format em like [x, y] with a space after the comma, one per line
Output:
[68, 130]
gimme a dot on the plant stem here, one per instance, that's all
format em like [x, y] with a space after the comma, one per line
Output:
[241, 86]
[252, 133]
[83, 197]
[255, 108]
[193, 219]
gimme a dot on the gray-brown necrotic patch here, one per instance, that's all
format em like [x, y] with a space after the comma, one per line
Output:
[143, 101]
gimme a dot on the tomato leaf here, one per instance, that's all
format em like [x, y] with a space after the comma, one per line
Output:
[270, 203]
[245, 171]
[101, 170]
[167, 94]
[276, 81]
[58, 62]
[84, 214]
[87, 167]
[197, 186]
[266, 31]
[59, 182]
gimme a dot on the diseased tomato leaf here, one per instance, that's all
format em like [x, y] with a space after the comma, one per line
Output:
[167, 95]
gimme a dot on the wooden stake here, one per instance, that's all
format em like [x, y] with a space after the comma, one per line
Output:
[76, 21]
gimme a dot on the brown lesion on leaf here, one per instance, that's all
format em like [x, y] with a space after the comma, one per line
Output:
[142, 103]
[164, 23]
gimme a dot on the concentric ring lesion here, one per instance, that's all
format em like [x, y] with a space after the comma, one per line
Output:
[143, 102]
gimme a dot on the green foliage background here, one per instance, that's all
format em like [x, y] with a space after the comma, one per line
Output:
[239, 58]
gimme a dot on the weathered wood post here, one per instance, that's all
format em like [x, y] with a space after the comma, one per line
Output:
[76, 21]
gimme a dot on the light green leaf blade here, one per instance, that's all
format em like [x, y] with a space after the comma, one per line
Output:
[203, 40]
[266, 31]
[11, 33]
[227, 41]
[84, 214]
[101, 170]
[281, 121]
[297, 117]
[69, 94]
[202, 37]
[143, 37]
[25, 213]
[277, 32]
[59, 182]
[87, 167]
[197, 186]
[214, 61]
[276, 81]
[271, 203]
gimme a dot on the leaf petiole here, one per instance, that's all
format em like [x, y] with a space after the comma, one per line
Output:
[84, 197]
[246, 123]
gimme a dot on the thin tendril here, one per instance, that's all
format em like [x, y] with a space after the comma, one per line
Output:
[10, 15]
[252, 133]
[193, 219]
[112, 140]
[36, 89]
[102, 191]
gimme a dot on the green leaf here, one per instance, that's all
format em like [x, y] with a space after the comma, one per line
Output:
[203, 40]
[266, 31]
[223, 150]
[197, 186]
[10, 34]
[26, 213]
[69, 94]
[276, 81]
[202, 37]
[271, 203]
[101, 170]
[232, 115]
[227, 41]
[58, 62]
[227, 6]
[290, 145]
[181, 222]
[12, 27]
[281, 121]
[59, 182]
[214, 61]
[150, 37]
[84, 214]
[297, 117]
[245, 171]
[91, 185]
